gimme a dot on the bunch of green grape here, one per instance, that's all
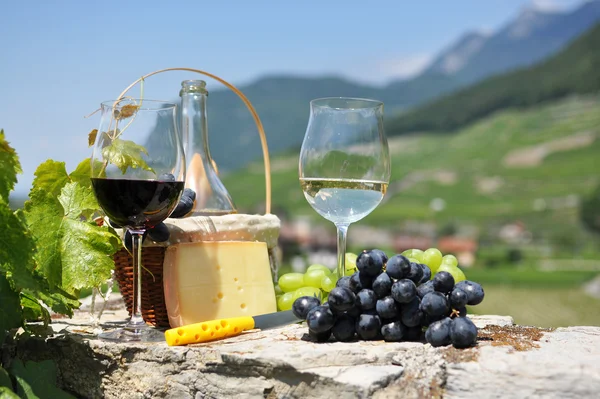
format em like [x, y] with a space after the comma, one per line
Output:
[318, 280]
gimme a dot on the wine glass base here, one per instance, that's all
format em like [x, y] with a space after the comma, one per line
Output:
[144, 334]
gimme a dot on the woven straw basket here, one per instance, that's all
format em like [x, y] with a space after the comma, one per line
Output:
[154, 310]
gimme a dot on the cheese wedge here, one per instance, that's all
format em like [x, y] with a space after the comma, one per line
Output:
[217, 279]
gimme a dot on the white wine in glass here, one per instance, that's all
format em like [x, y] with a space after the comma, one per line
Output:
[344, 162]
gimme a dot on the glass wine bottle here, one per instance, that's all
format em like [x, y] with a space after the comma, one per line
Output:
[212, 198]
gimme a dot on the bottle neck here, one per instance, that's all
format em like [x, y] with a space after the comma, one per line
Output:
[195, 125]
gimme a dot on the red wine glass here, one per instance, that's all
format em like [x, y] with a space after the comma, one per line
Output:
[138, 174]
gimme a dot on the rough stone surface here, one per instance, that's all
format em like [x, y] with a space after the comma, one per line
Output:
[283, 363]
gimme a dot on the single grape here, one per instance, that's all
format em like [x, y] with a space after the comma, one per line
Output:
[344, 328]
[343, 282]
[184, 206]
[443, 282]
[358, 281]
[426, 273]
[449, 260]
[350, 262]
[319, 337]
[434, 304]
[473, 290]
[387, 308]
[291, 281]
[369, 263]
[317, 266]
[438, 333]
[368, 326]
[458, 298]
[383, 255]
[404, 291]
[320, 319]
[398, 267]
[307, 291]
[366, 299]
[382, 285]
[393, 332]
[303, 305]
[159, 233]
[411, 313]
[425, 288]
[313, 277]
[454, 271]
[166, 177]
[416, 272]
[341, 299]
[285, 301]
[463, 332]
[416, 254]
[328, 282]
[432, 258]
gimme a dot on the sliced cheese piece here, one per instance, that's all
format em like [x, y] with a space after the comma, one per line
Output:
[215, 280]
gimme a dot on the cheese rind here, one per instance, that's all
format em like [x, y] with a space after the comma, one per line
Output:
[216, 280]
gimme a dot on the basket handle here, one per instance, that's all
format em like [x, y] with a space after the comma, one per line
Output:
[259, 126]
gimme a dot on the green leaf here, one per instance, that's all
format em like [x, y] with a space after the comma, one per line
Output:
[71, 252]
[82, 173]
[34, 311]
[7, 393]
[125, 154]
[10, 167]
[50, 178]
[5, 379]
[16, 245]
[37, 380]
[77, 200]
[87, 251]
[10, 308]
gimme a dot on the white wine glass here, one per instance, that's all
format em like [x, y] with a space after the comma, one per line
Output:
[344, 162]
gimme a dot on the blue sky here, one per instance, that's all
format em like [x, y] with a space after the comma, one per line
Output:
[59, 59]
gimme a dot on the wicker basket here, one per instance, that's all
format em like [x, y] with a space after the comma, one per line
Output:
[154, 309]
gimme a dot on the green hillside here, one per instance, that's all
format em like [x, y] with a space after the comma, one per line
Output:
[576, 69]
[484, 172]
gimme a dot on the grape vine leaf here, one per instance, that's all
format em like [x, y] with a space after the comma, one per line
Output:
[10, 310]
[92, 137]
[10, 167]
[125, 154]
[4, 379]
[73, 253]
[7, 393]
[37, 380]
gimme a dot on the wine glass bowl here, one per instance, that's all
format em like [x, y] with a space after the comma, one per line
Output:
[138, 174]
[344, 165]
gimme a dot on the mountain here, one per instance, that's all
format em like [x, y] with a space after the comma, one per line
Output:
[529, 38]
[574, 70]
[282, 101]
[457, 55]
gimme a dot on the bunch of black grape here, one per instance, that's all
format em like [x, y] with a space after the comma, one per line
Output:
[395, 300]
[160, 232]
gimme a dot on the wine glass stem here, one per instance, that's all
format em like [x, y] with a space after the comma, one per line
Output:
[342, 230]
[136, 322]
